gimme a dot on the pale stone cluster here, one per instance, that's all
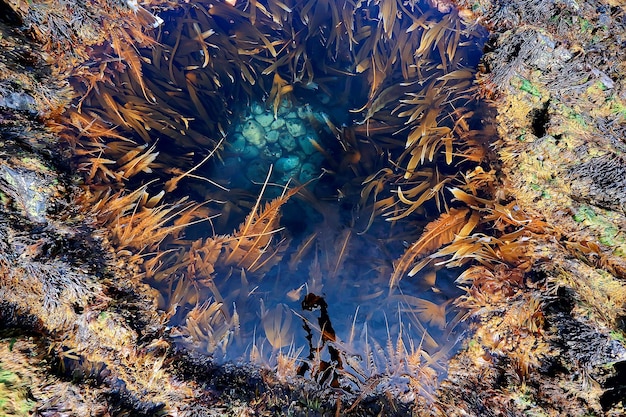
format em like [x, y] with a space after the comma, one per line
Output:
[285, 139]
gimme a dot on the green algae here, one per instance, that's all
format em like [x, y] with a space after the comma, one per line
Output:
[527, 86]
[600, 222]
[14, 399]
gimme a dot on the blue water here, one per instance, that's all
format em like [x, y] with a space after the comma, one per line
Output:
[331, 246]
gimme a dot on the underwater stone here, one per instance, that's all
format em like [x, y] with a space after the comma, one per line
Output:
[304, 112]
[256, 108]
[272, 136]
[250, 152]
[271, 152]
[287, 141]
[285, 106]
[254, 133]
[300, 154]
[27, 188]
[287, 164]
[264, 119]
[307, 172]
[295, 127]
[238, 143]
[277, 124]
[294, 173]
[305, 143]
[291, 115]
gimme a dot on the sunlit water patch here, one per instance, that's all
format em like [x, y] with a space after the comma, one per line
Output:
[313, 143]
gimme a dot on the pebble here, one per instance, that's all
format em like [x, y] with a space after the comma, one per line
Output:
[272, 136]
[304, 112]
[254, 133]
[259, 140]
[278, 123]
[238, 143]
[256, 108]
[289, 175]
[284, 107]
[307, 172]
[250, 152]
[257, 171]
[287, 141]
[264, 119]
[271, 152]
[295, 127]
[286, 164]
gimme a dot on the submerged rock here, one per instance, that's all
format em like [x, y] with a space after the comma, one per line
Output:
[295, 127]
[272, 136]
[254, 133]
[237, 143]
[308, 172]
[306, 143]
[277, 124]
[287, 163]
[265, 119]
[287, 142]
[250, 152]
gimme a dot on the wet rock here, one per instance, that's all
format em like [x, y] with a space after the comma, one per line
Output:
[272, 136]
[295, 127]
[17, 101]
[257, 171]
[237, 143]
[271, 152]
[305, 143]
[250, 152]
[256, 109]
[287, 142]
[304, 112]
[308, 172]
[28, 190]
[264, 119]
[288, 163]
[285, 107]
[277, 124]
[254, 133]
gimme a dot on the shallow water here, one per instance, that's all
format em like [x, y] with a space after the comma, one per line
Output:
[312, 296]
